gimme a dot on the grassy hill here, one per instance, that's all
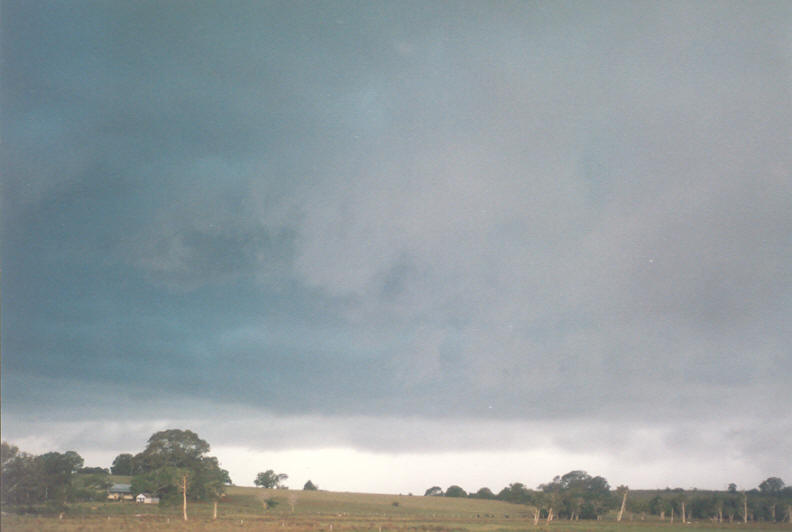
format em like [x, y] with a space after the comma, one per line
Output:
[300, 502]
[289, 511]
[247, 508]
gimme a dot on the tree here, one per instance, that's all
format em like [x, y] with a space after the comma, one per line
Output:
[551, 497]
[7, 453]
[434, 491]
[771, 490]
[310, 486]
[455, 491]
[623, 491]
[516, 493]
[483, 493]
[540, 504]
[660, 506]
[174, 447]
[123, 465]
[28, 479]
[162, 482]
[578, 495]
[771, 486]
[786, 494]
[731, 505]
[22, 477]
[208, 480]
[270, 479]
[679, 504]
[719, 501]
[91, 485]
[184, 477]
[705, 506]
[57, 469]
[168, 457]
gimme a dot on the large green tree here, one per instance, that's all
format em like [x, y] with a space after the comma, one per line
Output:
[57, 470]
[771, 491]
[516, 493]
[169, 456]
[483, 493]
[771, 486]
[124, 464]
[91, 485]
[28, 479]
[455, 491]
[173, 447]
[732, 505]
[270, 479]
[578, 495]
[21, 477]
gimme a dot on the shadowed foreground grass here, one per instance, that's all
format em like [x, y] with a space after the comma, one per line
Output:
[320, 511]
[330, 524]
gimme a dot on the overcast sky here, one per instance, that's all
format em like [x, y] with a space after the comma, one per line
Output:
[391, 245]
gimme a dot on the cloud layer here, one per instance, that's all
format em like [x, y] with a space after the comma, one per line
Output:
[528, 214]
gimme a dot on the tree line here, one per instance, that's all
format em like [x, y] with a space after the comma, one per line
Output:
[51, 478]
[578, 495]
[174, 463]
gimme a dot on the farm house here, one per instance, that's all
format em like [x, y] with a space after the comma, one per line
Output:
[145, 498]
[120, 492]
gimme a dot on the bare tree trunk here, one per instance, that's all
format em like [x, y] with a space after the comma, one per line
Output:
[672, 515]
[214, 512]
[745, 507]
[720, 514]
[684, 516]
[536, 516]
[662, 515]
[623, 505]
[184, 496]
[550, 514]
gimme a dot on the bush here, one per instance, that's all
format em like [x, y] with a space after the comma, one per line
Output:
[271, 503]
[455, 491]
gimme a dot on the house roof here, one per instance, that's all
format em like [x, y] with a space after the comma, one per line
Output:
[121, 488]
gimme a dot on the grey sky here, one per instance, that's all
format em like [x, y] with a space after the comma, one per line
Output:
[394, 224]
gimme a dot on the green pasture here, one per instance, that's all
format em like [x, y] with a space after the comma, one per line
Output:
[319, 511]
[355, 504]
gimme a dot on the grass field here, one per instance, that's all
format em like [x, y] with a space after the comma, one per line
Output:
[320, 511]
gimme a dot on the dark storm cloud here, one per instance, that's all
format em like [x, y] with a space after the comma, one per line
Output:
[527, 211]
